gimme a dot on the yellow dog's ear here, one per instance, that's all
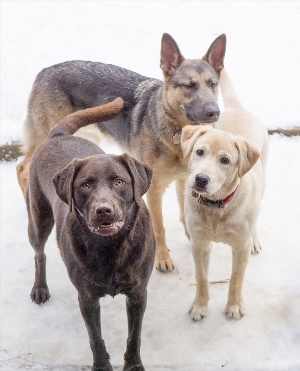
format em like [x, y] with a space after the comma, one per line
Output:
[189, 135]
[248, 156]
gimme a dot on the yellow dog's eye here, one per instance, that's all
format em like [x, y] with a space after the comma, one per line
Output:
[200, 152]
[224, 161]
[119, 182]
[86, 185]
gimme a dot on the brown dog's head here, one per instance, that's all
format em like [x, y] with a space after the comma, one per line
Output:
[103, 189]
[191, 85]
[217, 158]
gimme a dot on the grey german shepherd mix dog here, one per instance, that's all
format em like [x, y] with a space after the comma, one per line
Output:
[149, 127]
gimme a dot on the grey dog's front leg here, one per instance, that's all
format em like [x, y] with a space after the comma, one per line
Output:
[90, 310]
[135, 306]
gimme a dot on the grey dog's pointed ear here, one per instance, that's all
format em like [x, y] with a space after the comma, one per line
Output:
[141, 176]
[63, 181]
[216, 53]
[170, 55]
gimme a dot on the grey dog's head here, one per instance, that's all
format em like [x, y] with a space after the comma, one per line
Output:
[191, 85]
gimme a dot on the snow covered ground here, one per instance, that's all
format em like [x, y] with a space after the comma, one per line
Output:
[263, 58]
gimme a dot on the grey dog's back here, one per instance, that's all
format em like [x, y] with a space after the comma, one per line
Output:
[76, 85]
[91, 82]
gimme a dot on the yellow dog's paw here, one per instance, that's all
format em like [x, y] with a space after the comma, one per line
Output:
[255, 245]
[235, 311]
[197, 312]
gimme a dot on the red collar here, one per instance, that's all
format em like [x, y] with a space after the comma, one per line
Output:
[218, 203]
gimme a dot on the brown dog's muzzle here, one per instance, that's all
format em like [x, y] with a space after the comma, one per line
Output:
[106, 220]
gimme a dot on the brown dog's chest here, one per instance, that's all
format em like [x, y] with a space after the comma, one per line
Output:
[118, 282]
[102, 275]
[101, 282]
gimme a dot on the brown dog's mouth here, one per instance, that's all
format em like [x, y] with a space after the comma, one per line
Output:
[107, 229]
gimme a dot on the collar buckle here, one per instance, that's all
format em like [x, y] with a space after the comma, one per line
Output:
[176, 136]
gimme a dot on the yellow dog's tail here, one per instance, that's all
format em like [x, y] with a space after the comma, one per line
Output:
[76, 120]
[228, 92]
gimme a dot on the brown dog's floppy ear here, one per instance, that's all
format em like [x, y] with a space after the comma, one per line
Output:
[248, 156]
[170, 55]
[189, 135]
[63, 181]
[141, 176]
[216, 53]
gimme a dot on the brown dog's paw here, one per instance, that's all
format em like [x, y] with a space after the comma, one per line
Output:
[108, 367]
[40, 294]
[138, 367]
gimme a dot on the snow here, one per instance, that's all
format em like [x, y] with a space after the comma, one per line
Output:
[263, 60]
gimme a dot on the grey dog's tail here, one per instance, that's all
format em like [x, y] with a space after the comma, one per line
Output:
[76, 120]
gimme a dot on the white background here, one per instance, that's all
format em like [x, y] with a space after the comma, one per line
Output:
[263, 59]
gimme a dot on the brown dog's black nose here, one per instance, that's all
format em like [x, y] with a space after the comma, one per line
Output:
[202, 180]
[104, 209]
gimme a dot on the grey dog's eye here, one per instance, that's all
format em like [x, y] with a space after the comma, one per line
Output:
[191, 85]
[200, 152]
[224, 161]
[86, 185]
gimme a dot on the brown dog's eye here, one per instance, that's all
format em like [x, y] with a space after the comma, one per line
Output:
[86, 185]
[119, 182]
[224, 161]
[200, 152]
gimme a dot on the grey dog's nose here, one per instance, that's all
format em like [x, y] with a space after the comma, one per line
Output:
[202, 180]
[104, 209]
[212, 111]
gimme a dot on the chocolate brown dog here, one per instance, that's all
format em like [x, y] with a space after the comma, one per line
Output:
[103, 227]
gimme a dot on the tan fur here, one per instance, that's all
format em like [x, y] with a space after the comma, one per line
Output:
[242, 139]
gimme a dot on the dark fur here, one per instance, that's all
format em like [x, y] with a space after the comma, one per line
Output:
[74, 184]
[154, 112]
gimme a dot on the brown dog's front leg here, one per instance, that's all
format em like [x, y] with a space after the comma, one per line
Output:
[40, 292]
[135, 306]
[90, 310]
